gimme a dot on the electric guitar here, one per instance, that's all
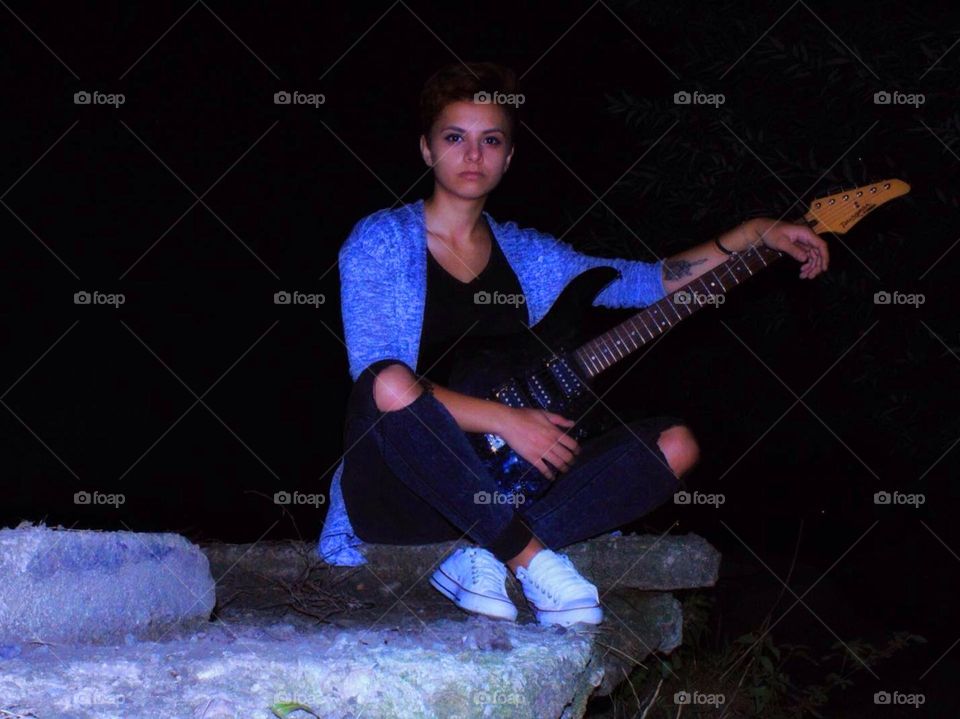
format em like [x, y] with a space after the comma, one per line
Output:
[523, 371]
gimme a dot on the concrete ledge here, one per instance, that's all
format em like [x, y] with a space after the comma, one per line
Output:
[82, 586]
[634, 561]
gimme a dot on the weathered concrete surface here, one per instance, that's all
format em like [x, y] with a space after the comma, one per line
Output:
[468, 667]
[67, 586]
[661, 563]
[389, 647]
[638, 626]
[413, 660]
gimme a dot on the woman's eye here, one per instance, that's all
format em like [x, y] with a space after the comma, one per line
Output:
[453, 137]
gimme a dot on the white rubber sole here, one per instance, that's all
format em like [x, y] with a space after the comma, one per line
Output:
[471, 601]
[566, 617]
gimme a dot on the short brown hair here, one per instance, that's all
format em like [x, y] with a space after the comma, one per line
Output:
[459, 81]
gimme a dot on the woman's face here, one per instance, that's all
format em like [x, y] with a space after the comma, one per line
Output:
[468, 148]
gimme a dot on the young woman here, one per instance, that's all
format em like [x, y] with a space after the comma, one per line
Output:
[418, 279]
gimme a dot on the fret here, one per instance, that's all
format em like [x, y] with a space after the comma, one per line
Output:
[634, 333]
[584, 362]
[657, 322]
[605, 349]
[716, 277]
[706, 292]
[598, 355]
[618, 342]
[593, 359]
[589, 357]
[713, 283]
[643, 322]
[728, 268]
[669, 303]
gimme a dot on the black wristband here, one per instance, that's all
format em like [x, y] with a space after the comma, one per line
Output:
[724, 250]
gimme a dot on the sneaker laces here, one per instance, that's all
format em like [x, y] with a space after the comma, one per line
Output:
[561, 575]
[484, 567]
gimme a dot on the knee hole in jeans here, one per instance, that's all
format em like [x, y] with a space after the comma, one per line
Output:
[395, 387]
[680, 448]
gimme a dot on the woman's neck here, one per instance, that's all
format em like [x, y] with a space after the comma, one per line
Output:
[457, 220]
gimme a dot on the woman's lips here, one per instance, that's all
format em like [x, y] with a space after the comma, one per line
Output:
[471, 175]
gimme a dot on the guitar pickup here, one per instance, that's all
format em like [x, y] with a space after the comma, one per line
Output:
[566, 378]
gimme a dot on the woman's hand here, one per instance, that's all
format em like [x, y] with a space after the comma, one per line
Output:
[798, 241]
[535, 435]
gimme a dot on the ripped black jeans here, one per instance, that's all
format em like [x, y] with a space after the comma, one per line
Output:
[411, 476]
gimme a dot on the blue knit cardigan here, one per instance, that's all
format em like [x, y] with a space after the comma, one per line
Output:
[383, 278]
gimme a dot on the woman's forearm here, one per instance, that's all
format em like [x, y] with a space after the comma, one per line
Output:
[686, 266]
[471, 413]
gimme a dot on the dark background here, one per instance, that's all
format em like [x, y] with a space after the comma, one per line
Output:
[98, 198]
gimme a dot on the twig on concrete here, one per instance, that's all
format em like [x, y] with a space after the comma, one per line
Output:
[623, 653]
[653, 701]
[312, 592]
[627, 677]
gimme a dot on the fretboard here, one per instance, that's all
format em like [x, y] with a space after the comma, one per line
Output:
[603, 352]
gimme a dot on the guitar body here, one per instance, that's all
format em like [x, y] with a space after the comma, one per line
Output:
[536, 369]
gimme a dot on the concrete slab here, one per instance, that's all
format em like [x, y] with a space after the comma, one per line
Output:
[66, 586]
[412, 660]
[633, 561]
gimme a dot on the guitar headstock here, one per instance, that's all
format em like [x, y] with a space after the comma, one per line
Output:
[839, 212]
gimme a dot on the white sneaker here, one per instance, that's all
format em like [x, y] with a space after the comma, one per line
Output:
[557, 592]
[476, 581]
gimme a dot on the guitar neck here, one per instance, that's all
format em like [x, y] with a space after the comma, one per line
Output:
[835, 213]
[601, 353]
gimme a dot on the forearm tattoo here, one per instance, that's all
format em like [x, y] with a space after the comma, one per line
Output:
[678, 269]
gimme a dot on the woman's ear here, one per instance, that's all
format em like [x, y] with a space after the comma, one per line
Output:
[506, 164]
[425, 151]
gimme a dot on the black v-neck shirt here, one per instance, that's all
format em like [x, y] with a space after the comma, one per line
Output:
[490, 305]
